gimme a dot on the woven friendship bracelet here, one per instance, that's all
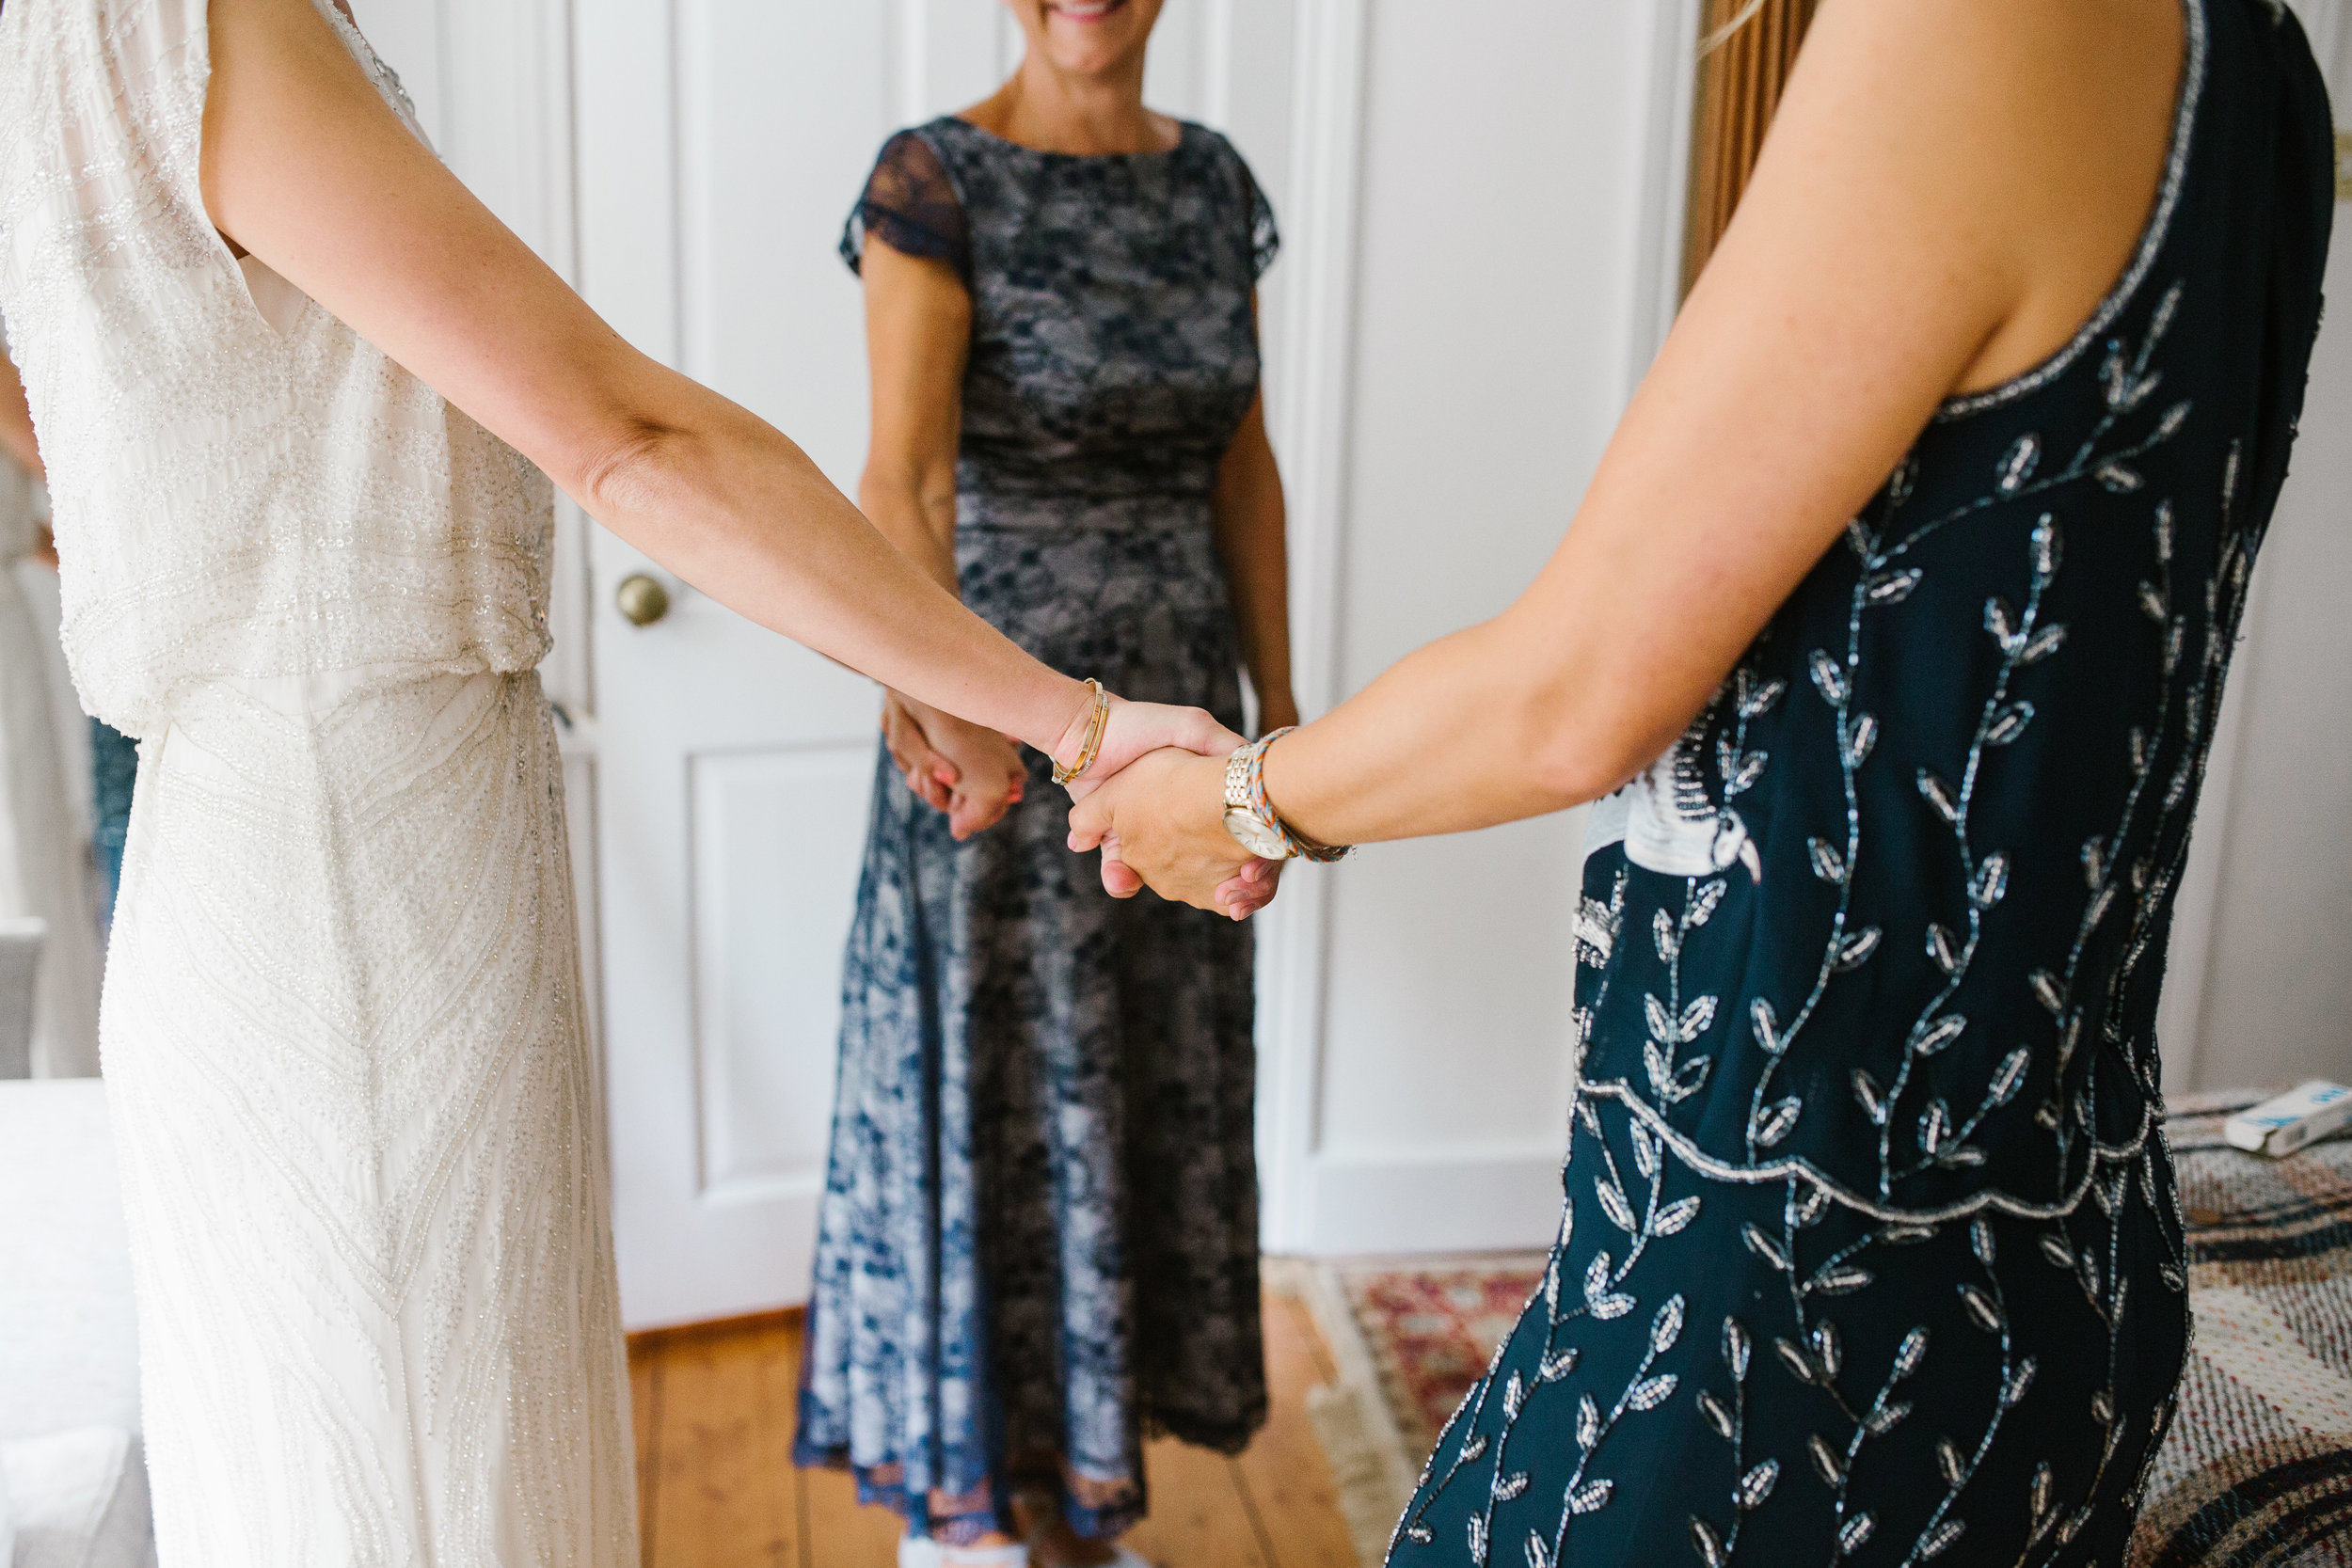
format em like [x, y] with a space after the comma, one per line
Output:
[1252, 759]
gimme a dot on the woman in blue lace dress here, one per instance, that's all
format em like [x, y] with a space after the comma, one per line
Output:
[1039, 1238]
[1916, 567]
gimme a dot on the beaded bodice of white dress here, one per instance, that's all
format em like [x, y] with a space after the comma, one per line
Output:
[350, 518]
[343, 1029]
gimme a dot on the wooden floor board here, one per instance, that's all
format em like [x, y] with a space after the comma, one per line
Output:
[1284, 1476]
[1198, 1518]
[644, 1404]
[715, 1408]
[840, 1533]
[723, 1484]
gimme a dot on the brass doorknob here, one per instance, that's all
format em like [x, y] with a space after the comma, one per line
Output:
[642, 600]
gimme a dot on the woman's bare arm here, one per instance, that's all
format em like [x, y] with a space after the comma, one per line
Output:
[16, 422]
[306, 168]
[918, 334]
[1250, 522]
[1951, 186]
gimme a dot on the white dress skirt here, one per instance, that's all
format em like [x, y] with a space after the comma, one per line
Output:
[358, 1135]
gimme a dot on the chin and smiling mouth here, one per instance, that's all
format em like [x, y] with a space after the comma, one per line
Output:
[1084, 11]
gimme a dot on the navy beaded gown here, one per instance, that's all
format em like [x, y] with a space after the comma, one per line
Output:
[1870, 1251]
[1038, 1236]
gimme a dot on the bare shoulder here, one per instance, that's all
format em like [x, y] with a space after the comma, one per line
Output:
[2079, 85]
[2039, 127]
[2002, 46]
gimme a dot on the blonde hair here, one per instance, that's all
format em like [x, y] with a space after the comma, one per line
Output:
[1726, 33]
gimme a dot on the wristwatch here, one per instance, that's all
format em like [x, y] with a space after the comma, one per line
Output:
[1249, 816]
[1262, 838]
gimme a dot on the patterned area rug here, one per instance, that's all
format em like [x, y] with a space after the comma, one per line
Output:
[1408, 1338]
[1432, 1332]
[2257, 1472]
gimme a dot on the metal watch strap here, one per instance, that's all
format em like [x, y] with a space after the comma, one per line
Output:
[1237, 778]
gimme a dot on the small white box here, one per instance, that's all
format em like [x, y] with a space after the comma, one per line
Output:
[2281, 1126]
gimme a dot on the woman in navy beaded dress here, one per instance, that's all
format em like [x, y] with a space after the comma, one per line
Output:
[1921, 554]
[1039, 1238]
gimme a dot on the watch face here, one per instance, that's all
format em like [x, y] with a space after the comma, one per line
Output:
[1254, 835]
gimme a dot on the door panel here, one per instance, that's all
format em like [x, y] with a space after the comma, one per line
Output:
[774, 893]
[781, 109]
[736, 764]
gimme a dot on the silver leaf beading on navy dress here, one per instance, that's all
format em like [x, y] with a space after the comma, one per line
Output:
[1871, 1250]
[1039, 1238]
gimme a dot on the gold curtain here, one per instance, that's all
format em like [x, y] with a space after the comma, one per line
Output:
[1738, 88]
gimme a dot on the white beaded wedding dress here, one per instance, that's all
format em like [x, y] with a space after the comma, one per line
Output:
[42, 874]
[343, 1028]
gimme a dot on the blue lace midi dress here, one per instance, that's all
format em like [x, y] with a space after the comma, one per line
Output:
[1038, 1236]
[1871, 1251]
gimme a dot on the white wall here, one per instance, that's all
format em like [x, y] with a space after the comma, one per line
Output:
[1496, 280]
[2260, 985]
[1483, 390]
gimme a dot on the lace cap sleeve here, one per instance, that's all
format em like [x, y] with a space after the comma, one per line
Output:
[911, 206]
[1265, 240]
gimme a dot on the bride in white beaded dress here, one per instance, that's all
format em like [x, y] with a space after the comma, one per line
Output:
[276, 355]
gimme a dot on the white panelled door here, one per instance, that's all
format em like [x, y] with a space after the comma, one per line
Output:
[720, 143]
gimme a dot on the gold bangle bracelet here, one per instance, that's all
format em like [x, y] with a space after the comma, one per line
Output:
[1093, 744]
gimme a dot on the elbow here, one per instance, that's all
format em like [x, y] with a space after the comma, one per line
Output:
[626, 466]
[1573, 749]
[1568, 774]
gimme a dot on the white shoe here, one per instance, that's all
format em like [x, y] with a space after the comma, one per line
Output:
[921, 1552]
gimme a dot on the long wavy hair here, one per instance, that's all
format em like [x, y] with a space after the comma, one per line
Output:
[1708, 44]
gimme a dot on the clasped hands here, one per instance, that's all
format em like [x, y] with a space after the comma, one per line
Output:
[1154, 800]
